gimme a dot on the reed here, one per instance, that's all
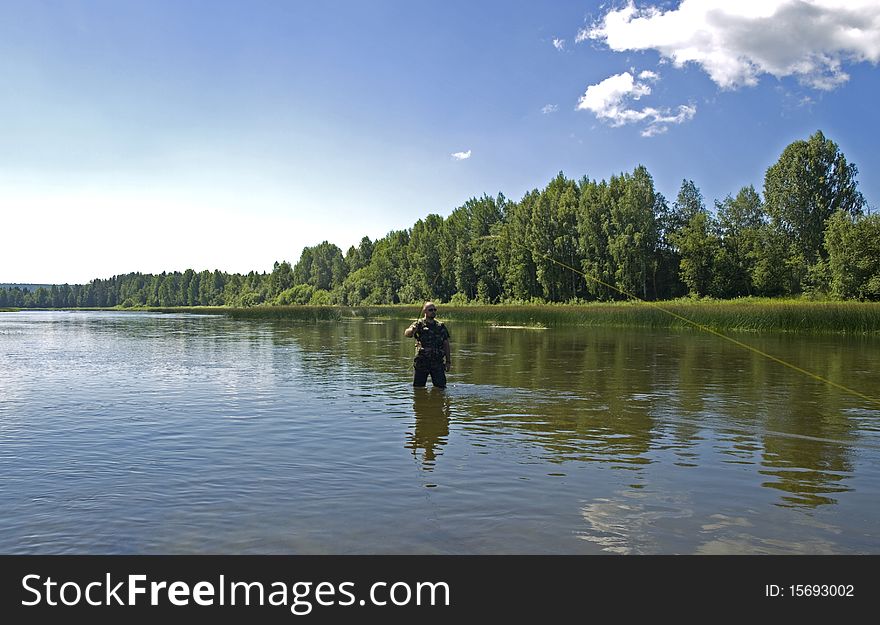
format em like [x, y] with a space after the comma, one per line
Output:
[746, 314]
[298, 313]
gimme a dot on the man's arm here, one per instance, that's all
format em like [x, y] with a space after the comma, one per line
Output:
[448, 352]
[409, 331]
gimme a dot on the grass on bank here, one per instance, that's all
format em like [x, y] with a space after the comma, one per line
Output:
[756, 315]
[746, 314]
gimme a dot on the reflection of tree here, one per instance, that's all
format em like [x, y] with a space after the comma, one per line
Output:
[622, 396]
[431, 408]
[702, 381]
[807, 430]
[373, 345]
[807, 452]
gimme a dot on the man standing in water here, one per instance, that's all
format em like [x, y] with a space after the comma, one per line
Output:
[432, 348]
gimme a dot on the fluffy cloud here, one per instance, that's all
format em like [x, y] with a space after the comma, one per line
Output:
[550, 108]
[737, 42]
[559, 44]
[606, 98]
[461, 156]
[610, 101]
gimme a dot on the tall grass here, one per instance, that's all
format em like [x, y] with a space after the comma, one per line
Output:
[747, 314]
[736, 315]
[299, 313]
[192, 310]
[757, 315]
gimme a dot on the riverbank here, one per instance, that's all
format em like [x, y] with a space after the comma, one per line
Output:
[741, 315]
[747, 315]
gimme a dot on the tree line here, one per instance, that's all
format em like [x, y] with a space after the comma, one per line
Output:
[808, 234]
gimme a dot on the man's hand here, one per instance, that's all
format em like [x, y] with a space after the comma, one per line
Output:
[448, 365]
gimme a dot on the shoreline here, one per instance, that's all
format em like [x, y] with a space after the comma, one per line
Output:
[741, 315]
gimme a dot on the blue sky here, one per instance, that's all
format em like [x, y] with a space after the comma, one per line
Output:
[151, 136]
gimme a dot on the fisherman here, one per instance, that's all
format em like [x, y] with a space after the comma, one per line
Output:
[432, 348]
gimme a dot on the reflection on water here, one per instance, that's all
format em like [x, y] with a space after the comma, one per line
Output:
[431, 408]
[143, 433]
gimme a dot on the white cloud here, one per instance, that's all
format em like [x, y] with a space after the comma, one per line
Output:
[659, 120]
[649, 75]
[609, 101]
[461, 156]
[737, 42]
[605, 98]
[559, 44]
[550, 108]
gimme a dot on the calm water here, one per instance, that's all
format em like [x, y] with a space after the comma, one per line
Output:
[145, 433]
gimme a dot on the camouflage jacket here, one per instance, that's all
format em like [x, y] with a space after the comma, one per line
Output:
[429, 340]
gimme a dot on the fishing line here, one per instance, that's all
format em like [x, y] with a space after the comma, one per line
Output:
[706, 329]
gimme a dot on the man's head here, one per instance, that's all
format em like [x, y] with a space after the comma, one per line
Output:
[429, 310]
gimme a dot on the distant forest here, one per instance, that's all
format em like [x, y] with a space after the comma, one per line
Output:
[809, 234]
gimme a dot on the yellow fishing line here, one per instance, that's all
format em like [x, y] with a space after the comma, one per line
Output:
[815, 376]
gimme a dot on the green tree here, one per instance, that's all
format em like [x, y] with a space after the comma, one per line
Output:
[554, 237]
[383, 276]
[853, 245]
[322, 266]
[777, 268]
[517, 265]
[810, 182]
[688, 203]
[635, 233]
[594, 231]
[167, 290]
[740, 220]
[698, 245]
[423, 254]
[671, 222]
[357, 257]
[360, 287]
[467, 250]
[281, 278]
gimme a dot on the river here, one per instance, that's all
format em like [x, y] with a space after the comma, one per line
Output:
[143, 433]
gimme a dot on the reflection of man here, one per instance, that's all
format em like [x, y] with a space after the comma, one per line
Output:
[431, 408]
[432, 348]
